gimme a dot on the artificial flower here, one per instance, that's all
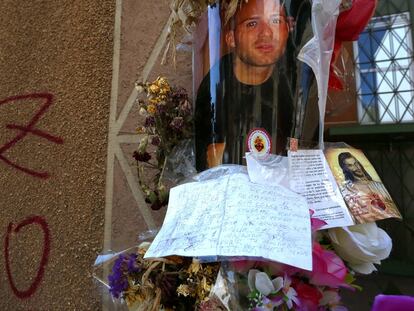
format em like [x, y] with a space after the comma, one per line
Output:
[328, 269]
[361, 245]
[316, 223]
[331, 299]
[261, 282]
[308, 295]
[268, 304]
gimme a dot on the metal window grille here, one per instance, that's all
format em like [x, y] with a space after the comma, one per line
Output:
[384, 70]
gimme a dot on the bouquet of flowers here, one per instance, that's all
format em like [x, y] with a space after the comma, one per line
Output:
[168, 122]
[336, 253]
[181, 283]
[173, 283]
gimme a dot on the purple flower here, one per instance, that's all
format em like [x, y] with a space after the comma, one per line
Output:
[149, 122]
[155, 141]
[161, 108]
[185, 108]
[124, 266]
[118, 281]
[132, 265]
[177, 123]
[179, 95]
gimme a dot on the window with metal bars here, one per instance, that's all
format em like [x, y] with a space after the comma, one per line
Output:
[384, 70]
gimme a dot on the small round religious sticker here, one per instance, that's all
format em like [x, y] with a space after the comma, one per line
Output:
[259, 142]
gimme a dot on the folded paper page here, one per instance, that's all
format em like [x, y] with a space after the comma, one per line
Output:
[311, 176]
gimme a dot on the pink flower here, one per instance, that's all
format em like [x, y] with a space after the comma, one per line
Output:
[316, 223]
[328, 269]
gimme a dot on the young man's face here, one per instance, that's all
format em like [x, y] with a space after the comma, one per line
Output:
[260, 33]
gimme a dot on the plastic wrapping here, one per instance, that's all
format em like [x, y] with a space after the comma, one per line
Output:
[317, 53]
[270, 170]
[180, 163]
[247, 76]
[170, 283]
[362, 189]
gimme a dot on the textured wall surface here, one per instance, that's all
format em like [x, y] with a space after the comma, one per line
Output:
[67, 132]
[55, 83]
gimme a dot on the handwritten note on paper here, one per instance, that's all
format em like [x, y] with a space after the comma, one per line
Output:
[311, 176]
[230, 216]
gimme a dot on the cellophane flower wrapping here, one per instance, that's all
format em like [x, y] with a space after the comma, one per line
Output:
[171, 283]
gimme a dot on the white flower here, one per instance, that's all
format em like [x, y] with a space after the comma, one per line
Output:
[143, 112]
[261, 281]
[139, 88]
[361, 246]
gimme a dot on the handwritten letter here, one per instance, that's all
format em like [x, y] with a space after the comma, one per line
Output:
[230, 216]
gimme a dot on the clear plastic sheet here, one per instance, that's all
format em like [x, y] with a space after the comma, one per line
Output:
[247, 76]
[362, 189]
[271, 169]
[317, 53]
[180, 163]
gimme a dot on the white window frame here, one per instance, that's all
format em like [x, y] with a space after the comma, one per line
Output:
[398, 20]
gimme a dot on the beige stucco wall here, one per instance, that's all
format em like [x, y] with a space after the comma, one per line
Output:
[67, 71]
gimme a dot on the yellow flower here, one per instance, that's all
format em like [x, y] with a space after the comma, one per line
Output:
[163, 85]
[141, 130]
[195, 267]
[183, 290]
[154, 88]
[151, 109]
[154, 100]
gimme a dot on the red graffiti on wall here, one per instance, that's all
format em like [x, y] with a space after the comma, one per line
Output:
[34, 220]
[29, 128]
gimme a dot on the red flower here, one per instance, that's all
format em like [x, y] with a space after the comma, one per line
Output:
[308, 295]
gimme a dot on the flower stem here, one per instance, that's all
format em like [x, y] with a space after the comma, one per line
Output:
[162, 171]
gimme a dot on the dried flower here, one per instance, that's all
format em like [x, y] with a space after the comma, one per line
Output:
[154, 88]
[143, 112]
[151, 109]
[185, 108]
[155, 140]
[183, 290]
[211, 304]
[141, 157]
[168, 121]
[177, 123]
[118, 279]
[149, 122]
[141, 130]
[195, 267]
